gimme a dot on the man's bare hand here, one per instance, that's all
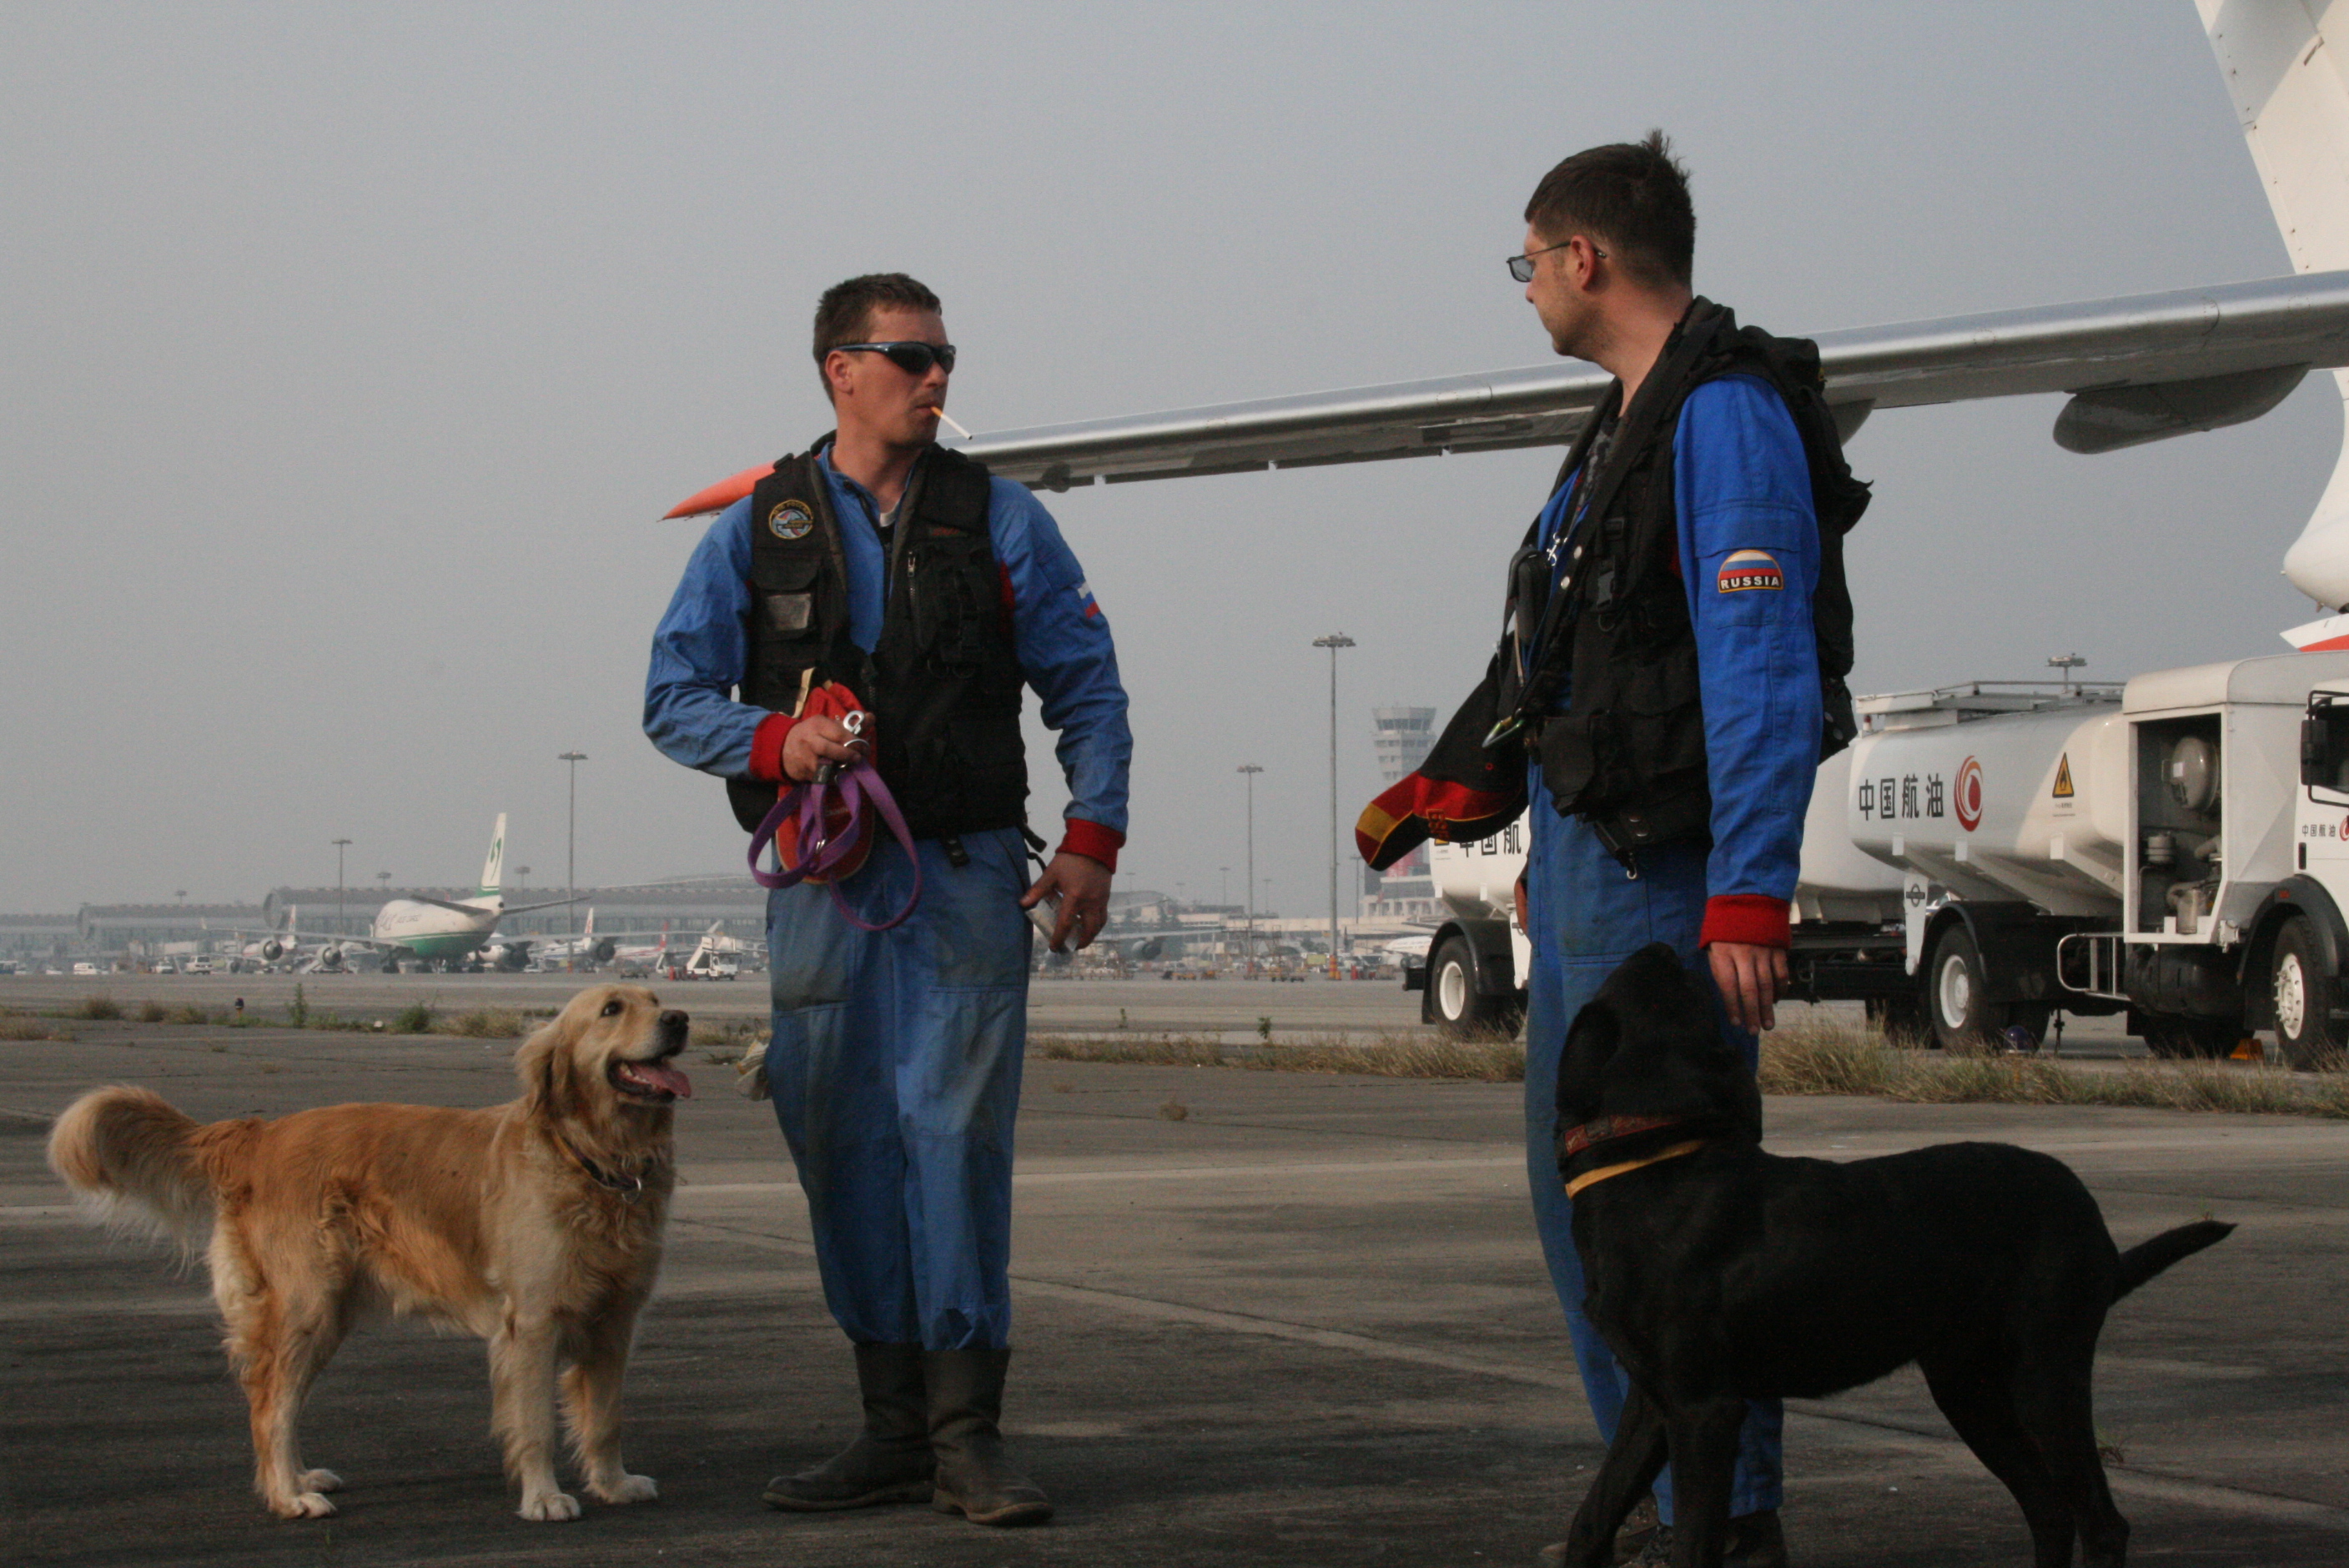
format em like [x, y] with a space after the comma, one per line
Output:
[1517, 895]
[1083, 883]
[815, 740]
[1751, 979]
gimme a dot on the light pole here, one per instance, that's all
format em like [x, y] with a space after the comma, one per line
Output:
[572, 878]
[341, 845]
[1249, 770]
[1333, 642]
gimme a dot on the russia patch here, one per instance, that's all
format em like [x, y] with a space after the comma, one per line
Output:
[1747, 570]
[1085, 601]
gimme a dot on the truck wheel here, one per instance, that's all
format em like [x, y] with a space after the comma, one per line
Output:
[1457, 1004]
[2305, 994]
[1957, 998]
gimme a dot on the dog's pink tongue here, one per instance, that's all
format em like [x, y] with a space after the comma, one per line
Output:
[660, 1075]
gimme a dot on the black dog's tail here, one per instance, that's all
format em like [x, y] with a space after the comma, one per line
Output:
[2147, 1259]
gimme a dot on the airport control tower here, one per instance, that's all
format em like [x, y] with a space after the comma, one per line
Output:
[1402, 736]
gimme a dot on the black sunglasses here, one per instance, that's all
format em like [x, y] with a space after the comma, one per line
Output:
[1521, 267]
[913, 358]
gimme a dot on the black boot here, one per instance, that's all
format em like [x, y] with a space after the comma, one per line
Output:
[966, 1388]
[890, 1460]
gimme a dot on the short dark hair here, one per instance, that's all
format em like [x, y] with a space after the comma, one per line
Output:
[1632, 198]
[845, 310]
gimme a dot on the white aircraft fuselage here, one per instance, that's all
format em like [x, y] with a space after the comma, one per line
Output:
[438, 932]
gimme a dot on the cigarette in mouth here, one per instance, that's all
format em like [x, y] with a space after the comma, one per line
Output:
[947, 419]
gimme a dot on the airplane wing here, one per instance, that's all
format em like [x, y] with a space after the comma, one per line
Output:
[306, 937]
[510, 909]
[2139, 368]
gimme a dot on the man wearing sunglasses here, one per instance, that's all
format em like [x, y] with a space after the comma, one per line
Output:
[1672, 611]
[882, 565]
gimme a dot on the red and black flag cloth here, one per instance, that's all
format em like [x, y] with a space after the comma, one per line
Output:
[1465, 791]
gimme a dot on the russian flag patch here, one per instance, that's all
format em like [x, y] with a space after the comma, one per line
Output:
[1085, 599]
[1747, 570]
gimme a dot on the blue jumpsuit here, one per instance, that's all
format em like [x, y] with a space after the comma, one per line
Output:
[894, 1062]
[1740, 486]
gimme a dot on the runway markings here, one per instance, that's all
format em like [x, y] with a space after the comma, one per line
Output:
[1817, 1421]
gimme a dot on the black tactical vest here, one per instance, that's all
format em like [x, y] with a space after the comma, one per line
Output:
[943, 681]
[1628, 754]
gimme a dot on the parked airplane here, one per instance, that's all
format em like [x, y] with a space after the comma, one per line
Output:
[423, 930]
[643, 958]
[248, 957]
[2139, 368]
[284, 949]
[584, 948]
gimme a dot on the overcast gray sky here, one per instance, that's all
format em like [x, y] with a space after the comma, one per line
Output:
[351, 354]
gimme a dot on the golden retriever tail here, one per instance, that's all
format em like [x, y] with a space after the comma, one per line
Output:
[2149, 1258]
[130, 1153]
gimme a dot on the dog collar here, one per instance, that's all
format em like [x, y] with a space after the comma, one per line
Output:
[1592, 1178]
[1608, 1127]
[629, 1185]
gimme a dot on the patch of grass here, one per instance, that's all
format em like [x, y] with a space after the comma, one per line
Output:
[733, 1033]
[1818, 1054]
[187, 1013]
[24, 1027]
[97, 1005]
[1379, 1056]
[481, 1024]
[151, 1012]
[416, 1018]
[1823, 1055]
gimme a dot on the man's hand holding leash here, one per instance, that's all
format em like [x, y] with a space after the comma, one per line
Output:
[818, 739]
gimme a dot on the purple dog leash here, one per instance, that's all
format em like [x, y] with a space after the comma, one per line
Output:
[855, 789]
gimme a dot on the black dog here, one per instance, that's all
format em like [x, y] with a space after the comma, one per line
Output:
[1718, 1273]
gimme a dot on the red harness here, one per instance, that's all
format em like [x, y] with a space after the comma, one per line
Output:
[1608, 1127]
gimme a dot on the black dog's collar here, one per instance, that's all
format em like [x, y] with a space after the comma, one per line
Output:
[1609, 1172]
[1607, 1129]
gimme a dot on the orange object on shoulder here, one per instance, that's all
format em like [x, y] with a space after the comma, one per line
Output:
[722, 494]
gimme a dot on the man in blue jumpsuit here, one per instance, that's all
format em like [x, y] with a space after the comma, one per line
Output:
[1608, 243]
[894, 1062]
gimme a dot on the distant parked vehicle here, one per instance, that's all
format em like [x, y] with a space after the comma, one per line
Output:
[197, 966]
[85, 969]
[165, 966]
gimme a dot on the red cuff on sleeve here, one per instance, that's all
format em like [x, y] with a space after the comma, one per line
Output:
[1092, 841]
[1750, 917]
[767, 747]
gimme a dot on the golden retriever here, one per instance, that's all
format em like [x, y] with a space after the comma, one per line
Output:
[536, 1224]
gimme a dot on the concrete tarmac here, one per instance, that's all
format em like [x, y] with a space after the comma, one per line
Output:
[1263, 1318]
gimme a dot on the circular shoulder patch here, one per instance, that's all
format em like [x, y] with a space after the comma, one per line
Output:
[1746, 571]
[790, 519]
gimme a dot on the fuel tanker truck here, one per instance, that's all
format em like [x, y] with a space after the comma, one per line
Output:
[2176, 850]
